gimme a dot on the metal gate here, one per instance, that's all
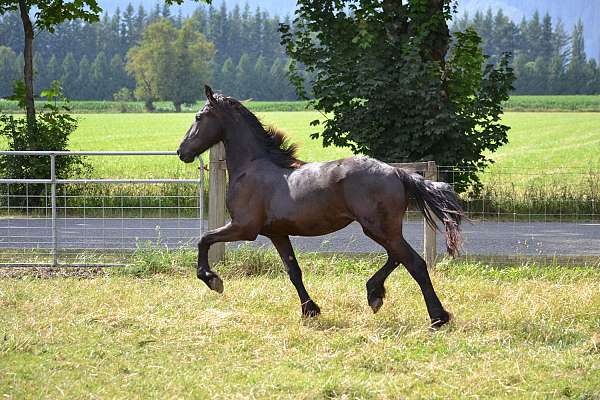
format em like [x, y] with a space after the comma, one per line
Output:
[95, 221]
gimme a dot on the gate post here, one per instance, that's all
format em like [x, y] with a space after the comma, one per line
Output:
[216, 198]
[53, 202]
[429, 234]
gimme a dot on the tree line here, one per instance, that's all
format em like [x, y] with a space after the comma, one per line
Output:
[546, 59]
[91, 59]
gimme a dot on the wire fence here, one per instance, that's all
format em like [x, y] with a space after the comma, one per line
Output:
[93, 222]
[523, 215]
[516, 215]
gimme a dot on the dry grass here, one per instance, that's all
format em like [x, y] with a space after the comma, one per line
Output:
[521, 332]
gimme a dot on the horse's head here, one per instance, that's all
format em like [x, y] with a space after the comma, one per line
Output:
[206, 131]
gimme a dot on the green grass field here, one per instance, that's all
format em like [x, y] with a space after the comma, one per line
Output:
[581, 103]
[538, 141]
[519, 332]
[550, 167]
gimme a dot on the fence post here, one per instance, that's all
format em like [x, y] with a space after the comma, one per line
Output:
[216, 198]
[53, 200]
[429, 234]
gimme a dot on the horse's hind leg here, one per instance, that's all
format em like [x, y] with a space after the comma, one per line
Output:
[286, 252]
[417, 268]
[399, 251]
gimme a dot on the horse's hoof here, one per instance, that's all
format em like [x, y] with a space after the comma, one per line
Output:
[310, 309]
[437, 323]
[375, 303]
[216, 284]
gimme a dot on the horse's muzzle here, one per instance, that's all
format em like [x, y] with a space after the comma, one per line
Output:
[186, 158]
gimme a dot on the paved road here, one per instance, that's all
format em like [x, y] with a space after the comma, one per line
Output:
[483, 238]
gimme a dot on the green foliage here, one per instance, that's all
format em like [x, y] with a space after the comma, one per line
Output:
[547, 60]
[170, 64]
[53, 127]
[232, 33]
[382, 76]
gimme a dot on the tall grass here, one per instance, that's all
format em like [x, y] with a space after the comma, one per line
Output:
[509, 194]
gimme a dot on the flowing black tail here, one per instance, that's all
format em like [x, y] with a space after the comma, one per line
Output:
[437, 198]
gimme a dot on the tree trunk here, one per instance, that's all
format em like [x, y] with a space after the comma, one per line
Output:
[28, 68]
[149, 105]
[177, 107]
[440, 38]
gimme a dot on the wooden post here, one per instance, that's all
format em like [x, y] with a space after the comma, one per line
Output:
[429, 234]
[216, 198]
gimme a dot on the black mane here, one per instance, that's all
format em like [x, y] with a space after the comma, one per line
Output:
[276, 143]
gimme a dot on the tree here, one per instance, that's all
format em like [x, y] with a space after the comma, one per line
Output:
[8, 71]
[243, 77]
[48, 13]
[576, 70]
[83, 83]
[192, 69]
[381, 71]
[228, 83]
[70, 72]
[100, 76]
[171, 64]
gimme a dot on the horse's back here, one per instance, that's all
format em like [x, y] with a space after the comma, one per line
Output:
[323, 197]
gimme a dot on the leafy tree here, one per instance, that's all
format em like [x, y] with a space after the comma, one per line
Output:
[192, 68]
[171, 64]
[51, 131]
[48, 13]
[381, 71]
[146, 62]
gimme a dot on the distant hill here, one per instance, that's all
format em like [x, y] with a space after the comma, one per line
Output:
[568, 10]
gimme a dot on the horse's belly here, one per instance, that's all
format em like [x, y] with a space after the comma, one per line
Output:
[306, 226]
[308, 218]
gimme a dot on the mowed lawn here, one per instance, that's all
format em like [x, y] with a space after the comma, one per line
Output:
[538, 141]
[518, 333]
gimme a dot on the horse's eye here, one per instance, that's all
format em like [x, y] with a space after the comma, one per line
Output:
[197, 118]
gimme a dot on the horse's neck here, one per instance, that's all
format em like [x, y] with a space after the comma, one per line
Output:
[241, 148]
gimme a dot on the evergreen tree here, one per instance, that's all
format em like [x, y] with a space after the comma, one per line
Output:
[261, 89]
[8, 71]
[547, 39]
[576, 70]
[227, 82]
[100, 77]
[85, 89]
[53, 69]
[243, 77]
[118, 78]
[68, 79]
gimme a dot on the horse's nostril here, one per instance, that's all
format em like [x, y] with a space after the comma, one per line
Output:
[177, 152]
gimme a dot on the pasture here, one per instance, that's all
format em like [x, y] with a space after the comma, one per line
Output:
[519, 331]
[537, 141]
[569, 103]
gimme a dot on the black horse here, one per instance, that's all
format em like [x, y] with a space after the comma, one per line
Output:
[272, 193]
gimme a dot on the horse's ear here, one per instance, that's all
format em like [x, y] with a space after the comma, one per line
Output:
[209, 94]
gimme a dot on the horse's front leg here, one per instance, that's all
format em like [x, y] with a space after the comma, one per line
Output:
[286, 252]
[228, 233]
